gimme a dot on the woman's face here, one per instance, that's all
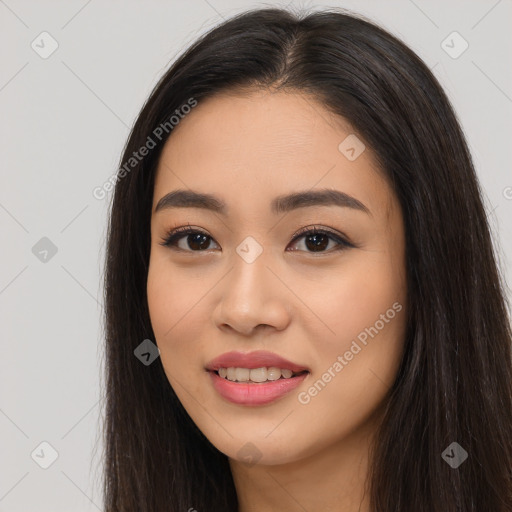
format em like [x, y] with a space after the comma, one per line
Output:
[252, 277]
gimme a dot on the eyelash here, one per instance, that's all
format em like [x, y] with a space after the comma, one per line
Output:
[174, 235]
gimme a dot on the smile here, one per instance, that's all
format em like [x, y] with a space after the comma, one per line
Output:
[254, 378]
[255, 374]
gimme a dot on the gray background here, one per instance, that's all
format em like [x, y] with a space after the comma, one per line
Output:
[64, 121]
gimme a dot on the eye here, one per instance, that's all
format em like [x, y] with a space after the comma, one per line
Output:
[316, 240]
[195, 239]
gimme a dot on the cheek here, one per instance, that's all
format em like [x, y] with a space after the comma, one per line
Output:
[367, 288]
[356, 366]
[366, 310]
[177, 317]
[174, 302]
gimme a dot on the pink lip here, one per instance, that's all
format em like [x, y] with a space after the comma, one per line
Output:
[254, 393]
[246, 393]
[256, 359]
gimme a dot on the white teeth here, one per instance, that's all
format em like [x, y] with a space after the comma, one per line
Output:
[259, 374]
[254, 374]
[274, 373]
[242, 374]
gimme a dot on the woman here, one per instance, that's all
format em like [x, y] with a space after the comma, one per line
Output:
[298, 227]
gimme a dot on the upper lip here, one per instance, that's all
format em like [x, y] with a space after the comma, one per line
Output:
[256, 359]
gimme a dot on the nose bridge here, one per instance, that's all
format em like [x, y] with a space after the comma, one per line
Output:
[250, 281]
[250, 294]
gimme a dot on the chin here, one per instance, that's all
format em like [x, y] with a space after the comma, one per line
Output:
[256, 449]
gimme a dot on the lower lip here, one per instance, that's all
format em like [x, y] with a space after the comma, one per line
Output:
[245, 393]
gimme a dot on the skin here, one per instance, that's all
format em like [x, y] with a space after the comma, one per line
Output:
[303, 305]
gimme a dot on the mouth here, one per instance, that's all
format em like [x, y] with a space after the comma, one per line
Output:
[254, 378]
[257, 375]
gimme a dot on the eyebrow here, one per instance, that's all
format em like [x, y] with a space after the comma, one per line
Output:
[280, 204]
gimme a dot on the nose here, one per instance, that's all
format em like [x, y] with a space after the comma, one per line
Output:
[252, 297]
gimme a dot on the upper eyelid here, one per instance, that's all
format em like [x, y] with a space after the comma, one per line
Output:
[185, 230]
[179, 232]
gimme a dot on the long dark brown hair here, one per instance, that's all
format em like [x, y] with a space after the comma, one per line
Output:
[455, 380]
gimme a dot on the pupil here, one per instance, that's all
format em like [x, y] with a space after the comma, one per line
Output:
[198, 241]
[317, 244]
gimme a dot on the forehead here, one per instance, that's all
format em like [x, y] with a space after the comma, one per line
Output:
[260, 144]
[272, 126]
